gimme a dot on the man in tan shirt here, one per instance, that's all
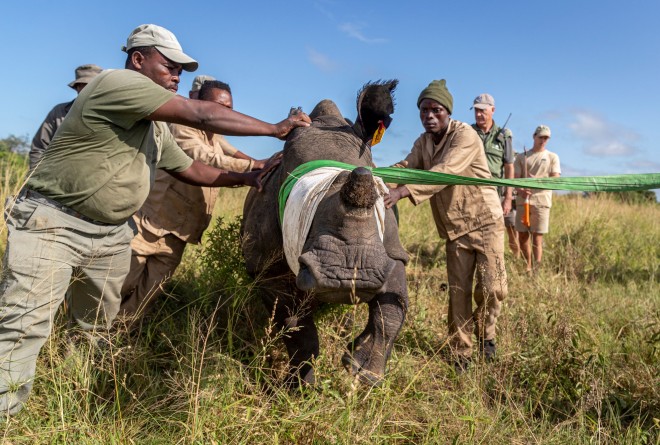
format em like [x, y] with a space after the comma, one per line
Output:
[227, 101]
[176, 213]
[537, 163]
[469, 218]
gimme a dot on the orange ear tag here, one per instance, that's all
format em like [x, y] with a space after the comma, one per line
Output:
[378, 135]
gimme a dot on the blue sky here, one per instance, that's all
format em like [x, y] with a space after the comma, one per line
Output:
[589, 70]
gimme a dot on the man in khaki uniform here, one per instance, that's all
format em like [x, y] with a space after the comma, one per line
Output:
[71, 219]
[536, 163]
[176, 213]
[227, 148]
[469, 218]
[41, 140]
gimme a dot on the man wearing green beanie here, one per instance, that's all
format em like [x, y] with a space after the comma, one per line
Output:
[469, 218]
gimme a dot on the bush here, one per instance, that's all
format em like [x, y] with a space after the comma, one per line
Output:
[603, 239]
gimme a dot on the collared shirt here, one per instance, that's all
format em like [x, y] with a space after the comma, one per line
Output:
[457, 209]
[184, 210]
[540, 164]
[498, 147]
[103, 158]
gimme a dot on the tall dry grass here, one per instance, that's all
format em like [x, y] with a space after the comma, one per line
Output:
[578, 353]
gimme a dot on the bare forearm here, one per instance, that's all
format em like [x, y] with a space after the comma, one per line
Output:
[204, 175]
[209, 116]
[509, 173]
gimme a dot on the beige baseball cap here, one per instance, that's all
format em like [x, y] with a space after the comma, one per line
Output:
[198, 81]
[164, 41]
[85, 74]
[542, 130]
[483, 101]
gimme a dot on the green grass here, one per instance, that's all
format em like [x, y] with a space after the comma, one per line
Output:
[578, 345]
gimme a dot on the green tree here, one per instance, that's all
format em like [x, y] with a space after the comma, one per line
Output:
[15, 144]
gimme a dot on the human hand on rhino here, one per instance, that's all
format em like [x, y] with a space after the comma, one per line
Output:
[255, 177]
[261, 164]
[395, 194]
[297, 118]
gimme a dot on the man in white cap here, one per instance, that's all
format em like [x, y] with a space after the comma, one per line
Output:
[72, 218]
[536, 163]
[41, 140]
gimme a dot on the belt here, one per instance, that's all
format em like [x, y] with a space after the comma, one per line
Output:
[41, 199]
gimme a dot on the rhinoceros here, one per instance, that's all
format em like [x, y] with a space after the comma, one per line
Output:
[351, 253]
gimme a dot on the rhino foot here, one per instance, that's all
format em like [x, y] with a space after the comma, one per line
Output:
[365, 376]
[358, 361]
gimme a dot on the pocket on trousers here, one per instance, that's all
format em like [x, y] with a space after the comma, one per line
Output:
[45, 218]
[18, 212]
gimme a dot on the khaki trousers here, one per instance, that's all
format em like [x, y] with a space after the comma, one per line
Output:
[153, 261]
[480, 253]
[48, 252]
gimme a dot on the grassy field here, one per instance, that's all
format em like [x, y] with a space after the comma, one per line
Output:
[578, 352]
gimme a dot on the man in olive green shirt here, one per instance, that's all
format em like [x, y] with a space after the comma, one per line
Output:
[498, 145]
[469, 218]
[71, 219]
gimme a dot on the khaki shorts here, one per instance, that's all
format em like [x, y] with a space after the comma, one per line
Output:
[539, 218]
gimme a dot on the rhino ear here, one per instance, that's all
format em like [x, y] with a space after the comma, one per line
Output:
[392, 84]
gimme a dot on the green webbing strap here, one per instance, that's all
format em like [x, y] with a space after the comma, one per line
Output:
[611, 183]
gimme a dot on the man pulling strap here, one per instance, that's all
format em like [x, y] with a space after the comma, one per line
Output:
[468, 217]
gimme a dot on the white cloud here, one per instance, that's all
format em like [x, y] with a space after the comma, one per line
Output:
[644, 166]
[320, 60]
[355, 30]
[600, 137]
[609, 148]
[569, 170]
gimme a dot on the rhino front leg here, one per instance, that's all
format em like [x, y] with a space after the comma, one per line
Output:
[292, 317]
[302, 343]
[367, 355]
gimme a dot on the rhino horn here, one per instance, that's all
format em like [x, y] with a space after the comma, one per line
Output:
[359, 189]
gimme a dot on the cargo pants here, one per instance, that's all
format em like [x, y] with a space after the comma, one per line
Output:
[479, 254]
[49, 252]
[153, 261]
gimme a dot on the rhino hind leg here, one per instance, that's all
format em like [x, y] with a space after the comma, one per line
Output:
[366, 356]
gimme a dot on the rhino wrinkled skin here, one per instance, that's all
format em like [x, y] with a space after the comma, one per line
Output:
[343, 259]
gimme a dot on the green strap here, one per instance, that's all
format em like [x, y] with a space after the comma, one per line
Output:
[611, 183]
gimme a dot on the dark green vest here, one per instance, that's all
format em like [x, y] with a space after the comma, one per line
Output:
[496, 144]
